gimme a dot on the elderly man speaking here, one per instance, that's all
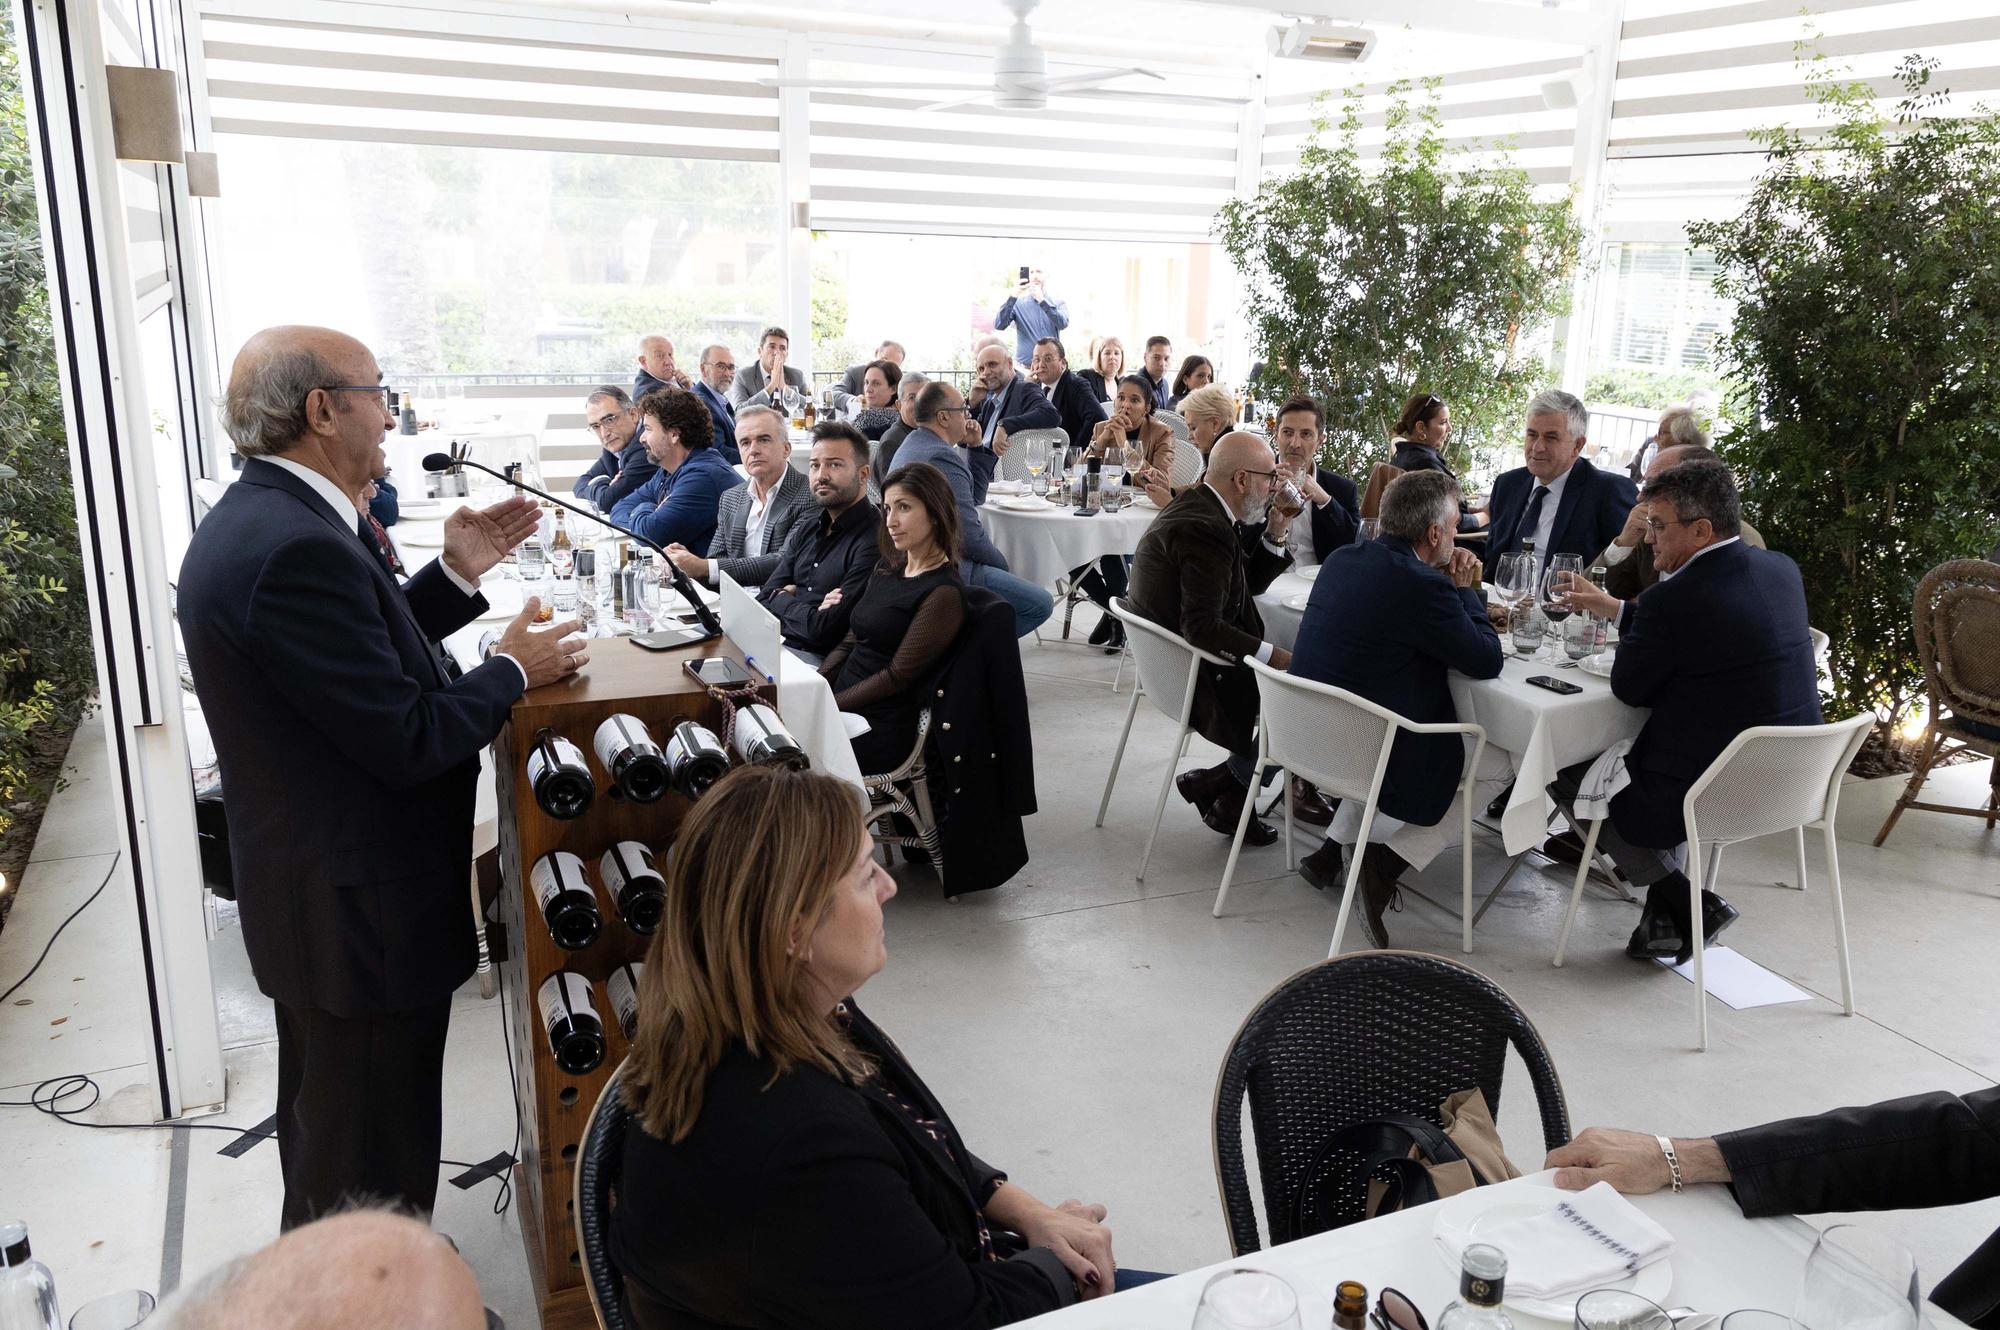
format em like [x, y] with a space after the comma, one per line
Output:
[349, 752]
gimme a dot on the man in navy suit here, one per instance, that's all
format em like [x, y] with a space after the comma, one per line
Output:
[623, 465]
[1719, 644]
[1558, 500]
[1387, 620]
[350, 761]
[711, 387]
[1332, 502]
[1077, 408]
[656, 367]
[1009, 402]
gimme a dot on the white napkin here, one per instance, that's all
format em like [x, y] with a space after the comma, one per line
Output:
[1009, 487]
[1607, 776]
[1586, 1240]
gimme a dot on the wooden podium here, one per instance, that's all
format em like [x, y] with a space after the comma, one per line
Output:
[653, 686]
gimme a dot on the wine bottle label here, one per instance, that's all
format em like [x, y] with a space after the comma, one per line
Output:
[567, 754]
[564, 996]
[690, 743]
[556, 873]
[623, 987]
[618, 736]
[762, 739]
[626, 861]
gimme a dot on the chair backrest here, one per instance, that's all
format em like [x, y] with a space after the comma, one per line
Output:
[1379, 477]
[1820, 643]
[598, 1161]
[1188, 463]
[1161, 656]
[1337, 740]
[1174, 421]
[1957, 614]
[1014, 462]
[1773, 778]
[1348, 1040]
[209, 492]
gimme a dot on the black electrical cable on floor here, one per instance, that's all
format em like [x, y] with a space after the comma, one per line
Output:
[48, 1095]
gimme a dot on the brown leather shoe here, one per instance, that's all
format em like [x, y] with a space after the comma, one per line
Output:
[1380, 867]
[1309, 805]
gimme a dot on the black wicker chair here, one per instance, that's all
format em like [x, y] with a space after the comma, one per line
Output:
[598, 1160]
[1349, 1040]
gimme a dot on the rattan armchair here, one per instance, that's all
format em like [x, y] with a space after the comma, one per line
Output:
[1346, 1041]
[1957, 620]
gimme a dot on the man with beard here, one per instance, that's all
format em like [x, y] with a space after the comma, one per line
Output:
[836, 553]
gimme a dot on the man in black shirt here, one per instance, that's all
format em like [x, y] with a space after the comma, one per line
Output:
[835, 553]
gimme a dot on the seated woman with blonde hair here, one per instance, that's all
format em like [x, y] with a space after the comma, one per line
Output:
[787, 1166]
[1210, 413]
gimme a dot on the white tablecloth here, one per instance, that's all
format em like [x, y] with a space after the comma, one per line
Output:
[1539, 732]
[1721, 1262]
[1045, 544]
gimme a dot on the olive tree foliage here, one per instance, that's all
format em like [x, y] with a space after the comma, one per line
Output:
[1422, 272]
[1864, 362]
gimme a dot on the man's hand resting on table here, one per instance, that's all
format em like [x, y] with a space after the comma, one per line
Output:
[1632, 1162]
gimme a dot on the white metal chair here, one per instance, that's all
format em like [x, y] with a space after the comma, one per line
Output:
[209, 492]
[1341, 743]
[1188, 462]
[1167, 665]
[906, 790]
[1014, 462]
[1771, 778]
[1174, 421]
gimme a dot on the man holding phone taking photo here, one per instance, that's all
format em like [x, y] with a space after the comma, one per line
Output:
[1030, 313]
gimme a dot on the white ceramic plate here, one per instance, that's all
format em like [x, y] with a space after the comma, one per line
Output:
[1026, 503]
[424, 536]
[1469, 1214]
[1143, 501]
[1310, 574]
[1298, 602]
[420, 508]
[1599, 664]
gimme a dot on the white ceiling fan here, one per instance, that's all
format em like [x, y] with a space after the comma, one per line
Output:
[1021, 79]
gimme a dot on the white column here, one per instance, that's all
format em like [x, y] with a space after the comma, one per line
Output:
[795, 193]
[1599, 77]
[104, 404]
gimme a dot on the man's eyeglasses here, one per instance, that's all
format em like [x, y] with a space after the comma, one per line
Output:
[947, 410]
[1656, 526]
[381, 392]
[602, 423]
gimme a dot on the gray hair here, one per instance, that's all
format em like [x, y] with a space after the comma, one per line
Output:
[1416, 501]
[770, 411]
[886, 343]
[618, 396]
[1683, 426]
[208, 1301]
[264, 410]
[909, 380]
[1556, 402]
[1701, 488]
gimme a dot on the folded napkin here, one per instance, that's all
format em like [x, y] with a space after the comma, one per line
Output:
[1586, 1240]
[1607, 776]
[1009, 487]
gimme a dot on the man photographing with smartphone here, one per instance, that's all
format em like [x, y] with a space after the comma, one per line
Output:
[1030, 313]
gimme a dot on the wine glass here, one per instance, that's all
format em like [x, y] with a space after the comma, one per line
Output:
[1505, 570]
[1858, 1279]
[114, 1311]
[1247, 1300]
[1113, 476]
[1554, 589]
[1617, 1309]
[1035, 453]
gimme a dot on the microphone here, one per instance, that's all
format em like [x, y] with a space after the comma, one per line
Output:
[710, 625]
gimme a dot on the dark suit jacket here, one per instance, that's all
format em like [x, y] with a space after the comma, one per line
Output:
[349, 761]
[1589, 515]
[1077, 408]
[1635, 572]
[385, 507]
[1192, 575]
[1422, 457]
[1095, 384]
[1388, 628]
[979, 724]
[1020, 405]
[724, 415]
[1906, 1154]
[817, 558]
[1334, 524]
[643, 382]
[614, 475]
[1718, 647]
[801, 1200]
[851, 382]
[1160, 386]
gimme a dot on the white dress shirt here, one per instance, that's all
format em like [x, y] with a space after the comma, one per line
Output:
[343, 510]
[1263, 648]
[754, 522]
[1705, 549]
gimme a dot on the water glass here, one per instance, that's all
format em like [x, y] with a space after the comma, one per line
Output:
[1527, 625]
[1247, 1300]
[1617, 1309]
[1582, 636]
[1753, 1319]
[114, 1311]
[1858, 1279]
[1370, 528]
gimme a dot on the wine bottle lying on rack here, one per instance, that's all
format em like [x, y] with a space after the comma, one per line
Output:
[625, 747]
[559, 776]
[763, 741]
[635, 883]
[623, 986]
[576, 1035]
[558, 883]
[696, 758]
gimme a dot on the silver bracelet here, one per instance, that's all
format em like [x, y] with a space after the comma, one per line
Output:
[1673, 1162]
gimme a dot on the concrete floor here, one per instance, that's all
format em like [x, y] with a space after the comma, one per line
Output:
[1073, 1019]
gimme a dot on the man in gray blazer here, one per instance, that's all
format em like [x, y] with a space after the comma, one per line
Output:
[755, 380]
[753, 519]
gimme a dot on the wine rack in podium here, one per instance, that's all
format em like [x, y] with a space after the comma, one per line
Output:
[561, 960]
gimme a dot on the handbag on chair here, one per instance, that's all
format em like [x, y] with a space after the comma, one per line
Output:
[1399, 1161]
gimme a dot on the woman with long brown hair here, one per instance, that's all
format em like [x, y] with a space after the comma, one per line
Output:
[789, 1167]
[1421, 434]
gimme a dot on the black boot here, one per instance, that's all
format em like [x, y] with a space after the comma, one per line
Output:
[1116, 642]
[1105, 627]
[1323, 867]
[1380, 867]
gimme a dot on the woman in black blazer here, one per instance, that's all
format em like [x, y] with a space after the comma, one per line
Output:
[1107, 363]
[787, 1166]
[1421, 434]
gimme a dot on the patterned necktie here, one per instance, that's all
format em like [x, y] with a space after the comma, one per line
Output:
[1531, 520]
[376, 537]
